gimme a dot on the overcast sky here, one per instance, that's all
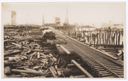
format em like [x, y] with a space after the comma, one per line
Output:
[86, 13]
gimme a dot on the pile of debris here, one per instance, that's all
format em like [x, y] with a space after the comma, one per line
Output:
[29, 58]
[29, 53]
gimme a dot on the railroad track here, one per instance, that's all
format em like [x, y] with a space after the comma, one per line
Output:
[95, 62]
[91, 67]
[104, 66]
[98, 69]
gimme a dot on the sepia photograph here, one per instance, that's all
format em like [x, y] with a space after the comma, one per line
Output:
[63, 39]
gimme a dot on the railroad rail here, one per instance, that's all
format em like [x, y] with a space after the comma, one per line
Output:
[94, 68]
[96, 62]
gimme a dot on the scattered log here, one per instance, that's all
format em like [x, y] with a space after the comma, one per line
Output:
[53, 71]
[82, 69]
[12, 53]
[6, 63]
[29, 71]
[7, 70]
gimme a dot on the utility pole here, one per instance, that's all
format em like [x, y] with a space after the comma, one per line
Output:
[66, 18]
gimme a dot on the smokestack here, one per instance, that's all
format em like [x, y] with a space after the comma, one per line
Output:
[13, 18]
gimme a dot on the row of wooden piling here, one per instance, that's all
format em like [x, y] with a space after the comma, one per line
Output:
[101, 37]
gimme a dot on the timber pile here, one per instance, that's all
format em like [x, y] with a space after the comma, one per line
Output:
[28, 57]
[29, 53]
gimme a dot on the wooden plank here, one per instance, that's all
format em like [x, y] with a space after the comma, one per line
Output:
[82, 69]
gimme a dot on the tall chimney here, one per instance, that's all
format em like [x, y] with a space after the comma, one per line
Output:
[13, 18]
